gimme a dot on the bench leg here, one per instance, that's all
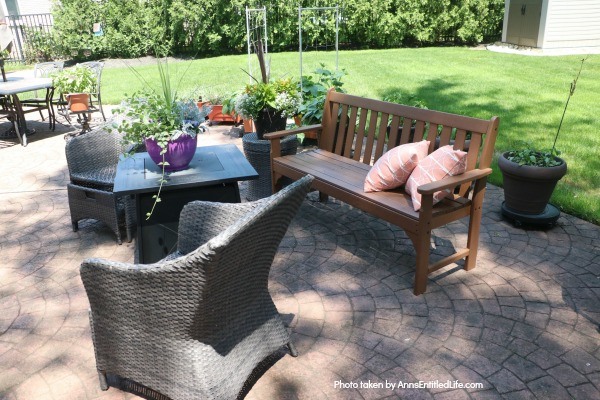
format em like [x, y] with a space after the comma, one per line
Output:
[323, 198]
[275, 177]
[422, 243]
[276, 185]
[422, 246]
[475, 224]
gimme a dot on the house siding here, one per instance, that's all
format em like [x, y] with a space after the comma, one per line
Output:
[34, 6]
[572, 23]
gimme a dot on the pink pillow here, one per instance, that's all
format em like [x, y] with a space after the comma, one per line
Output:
[441, 163]
[394, 167]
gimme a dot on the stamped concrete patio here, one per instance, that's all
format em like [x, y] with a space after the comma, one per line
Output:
[524, 323]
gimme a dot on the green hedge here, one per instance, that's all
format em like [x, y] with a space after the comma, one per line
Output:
[212, 27]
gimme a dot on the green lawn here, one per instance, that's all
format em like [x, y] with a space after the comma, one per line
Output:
[527, 93]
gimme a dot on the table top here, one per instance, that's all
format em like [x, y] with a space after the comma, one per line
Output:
[211, 165]
[18, 84]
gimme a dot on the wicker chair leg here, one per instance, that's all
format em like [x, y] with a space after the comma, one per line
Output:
[130, 217]
[293, 350]
[95, 204]
[103, 381]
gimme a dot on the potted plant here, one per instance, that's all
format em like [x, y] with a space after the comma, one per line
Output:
[268, 104]
[74, 85]
[217, 101]
[164, 123]
[530, 176]
[229, 108]
[314, 91]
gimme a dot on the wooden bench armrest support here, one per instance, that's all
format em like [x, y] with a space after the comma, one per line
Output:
[453, 181]
[287, 132]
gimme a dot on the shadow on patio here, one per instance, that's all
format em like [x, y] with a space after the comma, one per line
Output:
[524, 323]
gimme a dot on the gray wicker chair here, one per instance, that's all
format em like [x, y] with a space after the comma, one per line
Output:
[92, 159]
[199, 324]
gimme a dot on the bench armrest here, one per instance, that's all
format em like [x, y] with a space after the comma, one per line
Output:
[287, 132]
[453, 181]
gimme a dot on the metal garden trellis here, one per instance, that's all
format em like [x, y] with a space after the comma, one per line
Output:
[256, 21]
[336, 13]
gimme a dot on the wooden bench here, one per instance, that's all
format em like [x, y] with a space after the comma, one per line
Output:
[348, 145]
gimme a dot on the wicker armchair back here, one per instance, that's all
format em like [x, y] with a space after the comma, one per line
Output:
[196, 325]
[92, 160]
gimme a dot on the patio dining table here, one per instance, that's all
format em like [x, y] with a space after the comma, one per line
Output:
[16, 85]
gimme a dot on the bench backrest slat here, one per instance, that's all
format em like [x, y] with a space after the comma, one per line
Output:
[391, 124]
[459, 141]
[381, 133]
[445, 135]
[370, 137]
[342, 130]
[360, 133]
[350, 138]
[419, 131]
[406, 131]
[393, 138]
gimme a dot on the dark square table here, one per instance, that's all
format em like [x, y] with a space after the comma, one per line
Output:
[213, 175]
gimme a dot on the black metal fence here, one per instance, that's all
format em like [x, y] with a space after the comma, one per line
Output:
[31, 36]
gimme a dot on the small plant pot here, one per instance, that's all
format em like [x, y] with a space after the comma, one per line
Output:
[269, 120]
[307, 135]
[78, 102]
[528, 189]
[249, 125]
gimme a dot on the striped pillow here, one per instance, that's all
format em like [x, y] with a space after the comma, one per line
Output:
[394, 167]
[443, 162]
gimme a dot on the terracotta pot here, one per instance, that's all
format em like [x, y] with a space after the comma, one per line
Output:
[528, 189]
[180, 152]
[249, 125]
[216, 115]
[307, 135]
[78, 102]
[269, 120]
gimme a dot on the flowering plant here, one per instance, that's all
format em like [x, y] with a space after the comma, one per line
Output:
[149, 116]
[281, 95]
[159, 115]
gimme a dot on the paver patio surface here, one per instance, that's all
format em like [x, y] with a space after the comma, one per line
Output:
[524, 323]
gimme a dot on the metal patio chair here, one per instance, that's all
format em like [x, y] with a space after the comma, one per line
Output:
[96, 97]
[45, 102]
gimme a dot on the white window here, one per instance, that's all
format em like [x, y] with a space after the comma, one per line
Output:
[12, 6]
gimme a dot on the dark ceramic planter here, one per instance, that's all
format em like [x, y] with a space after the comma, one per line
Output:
[269, 120]
[180, 152]
[527, 189]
